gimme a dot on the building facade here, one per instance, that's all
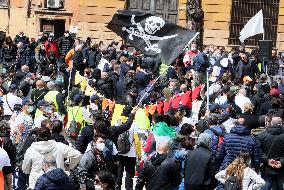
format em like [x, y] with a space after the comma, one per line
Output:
[222, 22]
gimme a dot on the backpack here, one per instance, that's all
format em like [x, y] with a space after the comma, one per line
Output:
[232, 183]
[74, 127]
[123, 143]
[220, 136]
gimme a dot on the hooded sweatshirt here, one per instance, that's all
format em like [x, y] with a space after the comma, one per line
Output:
[38, 150]
[55, 179]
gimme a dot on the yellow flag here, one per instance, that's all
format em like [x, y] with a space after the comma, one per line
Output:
[142, 120]
[116, 113]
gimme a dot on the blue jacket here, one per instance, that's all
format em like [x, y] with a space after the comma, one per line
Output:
[214, 138]
[200, 62]
[239, 139]
[55, 179]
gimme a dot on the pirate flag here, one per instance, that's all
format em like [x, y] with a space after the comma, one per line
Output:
[151, 34]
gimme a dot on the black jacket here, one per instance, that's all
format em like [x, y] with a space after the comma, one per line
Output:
[141, 80]
[92, 162]
[55, 179]
[104, 87]
[271, 144]
[113, 77]
[160, 173]
[200, 175]
[38, 95]
[87, 134]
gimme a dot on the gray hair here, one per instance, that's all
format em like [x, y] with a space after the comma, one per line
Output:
[50, 162]
[276, 121]
[204, 138]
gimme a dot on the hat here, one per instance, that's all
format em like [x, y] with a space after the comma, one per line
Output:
[247, 78]
[114, 42]
[263, 76]
[94, 97]
[77, 98]
[274, 92]
[13, 87]
[27, 101]
[42, 103]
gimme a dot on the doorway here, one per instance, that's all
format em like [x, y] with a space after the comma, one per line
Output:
[55, 26]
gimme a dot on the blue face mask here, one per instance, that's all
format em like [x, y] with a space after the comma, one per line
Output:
[47, 109]
[30, 109]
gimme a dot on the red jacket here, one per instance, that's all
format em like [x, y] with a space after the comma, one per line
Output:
[51, 46]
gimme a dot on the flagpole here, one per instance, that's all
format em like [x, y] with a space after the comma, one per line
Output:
[207, 83]
[140, 101]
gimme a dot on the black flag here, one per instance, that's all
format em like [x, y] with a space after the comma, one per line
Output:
[151, 34]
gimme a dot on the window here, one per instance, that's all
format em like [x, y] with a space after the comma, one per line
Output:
[167, 9]
[3, 3]
[243, 10]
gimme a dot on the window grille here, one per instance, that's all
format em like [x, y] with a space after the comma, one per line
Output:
[243, 10]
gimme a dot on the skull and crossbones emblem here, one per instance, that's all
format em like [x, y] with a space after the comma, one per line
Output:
[152, 25]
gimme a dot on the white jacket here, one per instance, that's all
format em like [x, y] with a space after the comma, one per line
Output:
[251, 180]
[38, 150]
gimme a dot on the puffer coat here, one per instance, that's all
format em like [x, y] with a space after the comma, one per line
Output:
[238, 140]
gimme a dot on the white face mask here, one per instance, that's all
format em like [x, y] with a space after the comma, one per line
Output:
[249, 162]
[94, 106]
[98, 187]
[100, 146]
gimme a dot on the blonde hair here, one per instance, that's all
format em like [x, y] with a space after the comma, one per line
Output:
[248, 108]
[237, 167]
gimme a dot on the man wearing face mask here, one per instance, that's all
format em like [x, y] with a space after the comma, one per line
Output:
[43, 112]
[97, 159]
[27, 110]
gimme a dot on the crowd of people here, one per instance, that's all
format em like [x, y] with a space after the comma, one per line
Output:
[78, 114]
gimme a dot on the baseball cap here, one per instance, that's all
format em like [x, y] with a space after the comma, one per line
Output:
[94, 97]
[13, 87]
[42, 103]
[247, 78]
[27, 101]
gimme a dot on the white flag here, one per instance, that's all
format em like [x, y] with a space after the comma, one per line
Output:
[253, 27]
